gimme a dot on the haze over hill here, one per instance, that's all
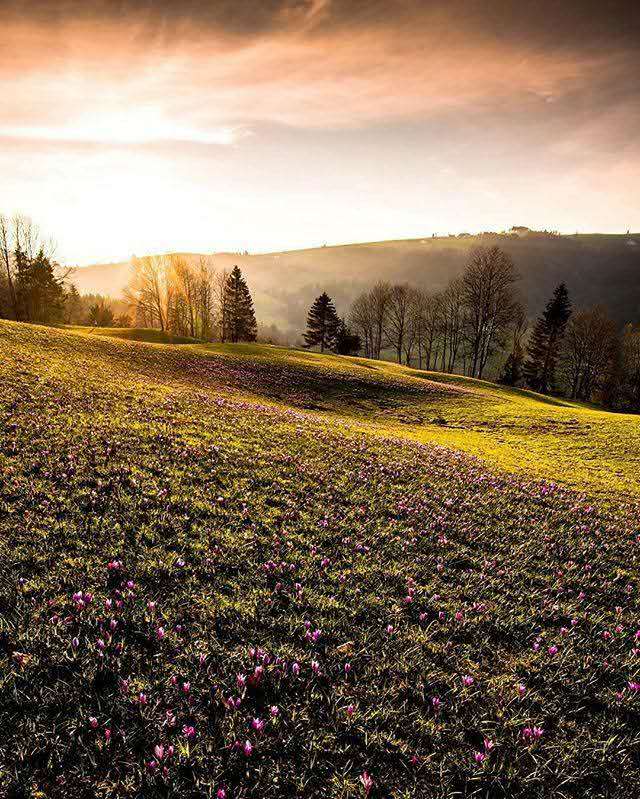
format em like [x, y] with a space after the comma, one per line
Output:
[597, 269]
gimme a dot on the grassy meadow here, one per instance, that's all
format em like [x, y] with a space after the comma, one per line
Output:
[246, 572]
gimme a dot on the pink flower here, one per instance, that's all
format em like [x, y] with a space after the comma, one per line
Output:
[247, 749]
[389, 632]
[521, 690]
[189, 732]
[221, 794]
[553, 650]
[467, 680]
[158, 751]
[367, 783]
[257, 725]
[160, 633]
[350, 710]
[274, 711]
[479, 757]
[93, 722]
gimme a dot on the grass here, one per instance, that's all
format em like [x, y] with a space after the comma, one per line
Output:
[223, 573]
[519, 431]
[148, 335]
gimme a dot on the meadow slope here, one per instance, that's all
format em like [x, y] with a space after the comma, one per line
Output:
[251, 572]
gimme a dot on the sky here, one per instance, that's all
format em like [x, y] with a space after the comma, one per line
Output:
[137, 127]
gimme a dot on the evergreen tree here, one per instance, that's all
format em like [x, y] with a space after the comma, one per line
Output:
[40, 293]
[544, 346]
[346, 341]
[238, 316]
[322, 323]
[72, 306]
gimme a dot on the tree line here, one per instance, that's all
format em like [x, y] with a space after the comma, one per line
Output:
[168, 292]
[173, 294]
[478, 326]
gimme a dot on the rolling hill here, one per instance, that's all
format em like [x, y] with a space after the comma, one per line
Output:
[597, 268]
[243, 570]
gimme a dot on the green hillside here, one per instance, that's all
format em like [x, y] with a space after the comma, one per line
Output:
[244, 571]
[513, 429]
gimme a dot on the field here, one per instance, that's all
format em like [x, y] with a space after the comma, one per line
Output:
[250, 572]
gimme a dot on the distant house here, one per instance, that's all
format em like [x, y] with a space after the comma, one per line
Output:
[520, 230]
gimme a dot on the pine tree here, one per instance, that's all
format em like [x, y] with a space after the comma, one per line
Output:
[238, 316]
[346, 341]
[322, 323]
[544, 346]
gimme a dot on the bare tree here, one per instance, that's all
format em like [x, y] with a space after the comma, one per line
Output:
[361, 318]
[589, 346]
[490, 299]
[149, 290]
[452, 318]
[398, 316]
[6, 255]
[380, 304]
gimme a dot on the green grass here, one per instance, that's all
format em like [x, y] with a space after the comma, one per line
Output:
[574, 443]
[254, 495]
[147, 335]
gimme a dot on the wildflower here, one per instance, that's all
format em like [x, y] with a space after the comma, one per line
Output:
[522, 689]
[274, 711]
[247, 749]
[189, 732]
[367, 783]
[257, 725]
[467, 680]
[93, 722]
[553, 650]
[160, 633]
[479, 757]
[350, 710]
[158, 751]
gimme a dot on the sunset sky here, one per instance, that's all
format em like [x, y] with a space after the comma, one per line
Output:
[134, 127]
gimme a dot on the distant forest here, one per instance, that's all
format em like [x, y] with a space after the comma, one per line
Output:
[478, 324]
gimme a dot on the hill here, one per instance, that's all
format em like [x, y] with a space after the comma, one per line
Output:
[597, 269]
[256, 571]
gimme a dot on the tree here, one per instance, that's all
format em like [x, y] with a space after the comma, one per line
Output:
[361, 317]
[101, 314]
[322, 323]
[397, 317]
[72, 306]
[513, 369]
[490, 300]
[239, 320]
[588, 353]
[546, 340]
[346, 341]
[149, 290]
[39, 291]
